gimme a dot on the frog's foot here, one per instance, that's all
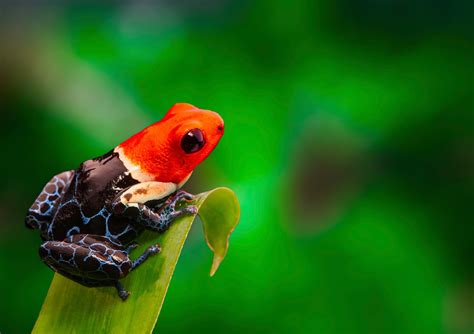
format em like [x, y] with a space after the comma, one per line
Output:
[180, 198]
[121, 291]
[152, 250]
[171, 211]
[180, 195]
[161, 219]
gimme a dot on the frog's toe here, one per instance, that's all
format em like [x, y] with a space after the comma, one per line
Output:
[191, 209]
[154, 249]
[121, 291]
[124, 295]
[188, 210]
[183, 195]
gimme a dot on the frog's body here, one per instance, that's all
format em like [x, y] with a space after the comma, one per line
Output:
[87, 217]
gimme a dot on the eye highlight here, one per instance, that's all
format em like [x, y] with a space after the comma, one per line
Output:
[193, 141]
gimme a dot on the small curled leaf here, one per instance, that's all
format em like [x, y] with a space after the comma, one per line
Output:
[219, 211]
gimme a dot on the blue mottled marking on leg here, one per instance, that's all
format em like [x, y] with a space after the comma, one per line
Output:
[44, 208]
[93, 260]
[152, 250]
[160, 220]
[131, 247]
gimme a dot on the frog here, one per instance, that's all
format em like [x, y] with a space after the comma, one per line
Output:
[90, 217]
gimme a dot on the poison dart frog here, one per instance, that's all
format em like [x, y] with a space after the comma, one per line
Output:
[89, 217]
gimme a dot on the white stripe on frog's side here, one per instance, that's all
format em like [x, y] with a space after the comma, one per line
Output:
[147, 189]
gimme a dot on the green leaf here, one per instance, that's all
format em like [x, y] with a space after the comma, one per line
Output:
[73, 308]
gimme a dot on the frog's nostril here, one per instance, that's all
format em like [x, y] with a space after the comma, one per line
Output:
[220, 128]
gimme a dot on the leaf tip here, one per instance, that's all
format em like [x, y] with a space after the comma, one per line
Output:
[216, 262]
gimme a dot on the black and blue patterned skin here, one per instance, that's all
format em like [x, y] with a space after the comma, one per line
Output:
[45, 206]
[85, 227]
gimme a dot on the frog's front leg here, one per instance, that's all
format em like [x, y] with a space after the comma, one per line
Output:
[161, 220]
[92, 260]
[132, 203]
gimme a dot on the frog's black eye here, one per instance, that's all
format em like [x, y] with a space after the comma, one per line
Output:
[193, 141]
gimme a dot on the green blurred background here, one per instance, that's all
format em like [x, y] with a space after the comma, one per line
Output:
[349, 141]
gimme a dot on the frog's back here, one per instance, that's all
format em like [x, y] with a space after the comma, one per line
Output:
[86, 204]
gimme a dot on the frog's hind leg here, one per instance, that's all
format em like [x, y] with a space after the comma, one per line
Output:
[92, 260]
[44, 207]
[155, 249]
